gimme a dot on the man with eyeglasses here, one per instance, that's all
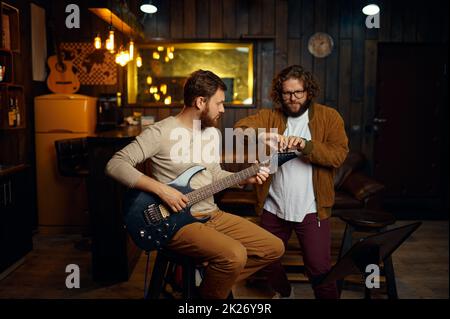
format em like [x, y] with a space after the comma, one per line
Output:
[300, 195]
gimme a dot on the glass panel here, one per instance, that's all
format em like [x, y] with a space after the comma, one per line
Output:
[165, 67]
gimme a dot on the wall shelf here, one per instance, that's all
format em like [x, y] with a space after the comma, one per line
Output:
[9, 27]
[11, 93]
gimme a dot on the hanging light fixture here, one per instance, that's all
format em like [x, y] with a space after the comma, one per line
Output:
[138, 61]
[98, 41]
[131, 49]
[148, 7]
[123, 56]
[110, 42]
[371, 9]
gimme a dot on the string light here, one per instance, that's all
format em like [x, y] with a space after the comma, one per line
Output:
[131, 49]
[138, 61]
[110, 42]
[98, 42]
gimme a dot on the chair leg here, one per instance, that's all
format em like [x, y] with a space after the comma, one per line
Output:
[346, 244]
[158, 274]
[346, 241]
[390, 278]
[188, 280]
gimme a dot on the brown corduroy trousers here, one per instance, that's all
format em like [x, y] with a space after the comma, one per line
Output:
[233, 247]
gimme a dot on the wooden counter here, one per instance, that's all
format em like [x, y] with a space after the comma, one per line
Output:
[17, 209]
[11, 169]
[113, 253]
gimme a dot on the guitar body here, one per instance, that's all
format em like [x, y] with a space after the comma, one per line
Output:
[145, 214]
[61, 78]
[151, 224]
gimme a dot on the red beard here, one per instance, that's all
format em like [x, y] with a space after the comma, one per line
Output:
[207, 121]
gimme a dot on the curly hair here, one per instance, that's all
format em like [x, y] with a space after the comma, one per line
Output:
[294, 72]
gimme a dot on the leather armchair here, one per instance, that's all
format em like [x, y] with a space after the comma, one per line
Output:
[354, 189]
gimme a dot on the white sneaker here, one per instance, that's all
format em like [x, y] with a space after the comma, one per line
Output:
[291, 296]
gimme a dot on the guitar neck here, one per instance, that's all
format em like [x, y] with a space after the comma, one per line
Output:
[223, 183]
[56, 47]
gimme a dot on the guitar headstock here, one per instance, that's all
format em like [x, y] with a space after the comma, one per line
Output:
[278, 159]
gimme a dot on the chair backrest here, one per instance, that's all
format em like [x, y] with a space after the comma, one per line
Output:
[353, 162]
[72, 157]
[368, 250]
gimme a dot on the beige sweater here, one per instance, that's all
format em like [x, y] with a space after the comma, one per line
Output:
[155, 143]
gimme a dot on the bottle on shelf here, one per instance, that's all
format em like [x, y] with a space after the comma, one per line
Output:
[119, 99]
[12, 115]
[17, 111]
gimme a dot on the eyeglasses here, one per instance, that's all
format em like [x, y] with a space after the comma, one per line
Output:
[298, 94]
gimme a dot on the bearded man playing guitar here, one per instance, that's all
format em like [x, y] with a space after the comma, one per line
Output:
[234, 247]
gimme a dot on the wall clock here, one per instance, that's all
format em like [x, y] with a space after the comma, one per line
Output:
[320, 44]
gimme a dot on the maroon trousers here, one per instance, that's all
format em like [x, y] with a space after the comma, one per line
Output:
[315, 242]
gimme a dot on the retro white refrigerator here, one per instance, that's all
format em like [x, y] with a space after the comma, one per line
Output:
[62, 201]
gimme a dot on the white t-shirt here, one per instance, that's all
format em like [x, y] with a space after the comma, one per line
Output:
[291, 194]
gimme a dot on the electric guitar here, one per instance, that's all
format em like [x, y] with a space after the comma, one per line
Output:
[151, 224]
[61, 79]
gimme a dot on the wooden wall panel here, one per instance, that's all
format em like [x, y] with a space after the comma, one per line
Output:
[332, 61]
[268, 18]
[176, 19]
[280, 35]
[385, 21]
[163, 19]
[346, 13]
[254, 17]
[409, 20]
[397, 20]
[307, 30]
[319, 65]
[215, 19]
[229, 19]
[202, 19]
[295, 19]
[358, 38]
[189, 17]
[346, 77]
[370, 67]
[345, 72]
[294, 50]
[280, 31]
[267, 71]
[242, 8]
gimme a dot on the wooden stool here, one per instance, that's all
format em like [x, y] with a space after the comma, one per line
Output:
[368, 221]
[168, 260]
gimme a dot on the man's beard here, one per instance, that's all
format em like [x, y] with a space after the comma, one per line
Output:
[301, 110]
[207, 121]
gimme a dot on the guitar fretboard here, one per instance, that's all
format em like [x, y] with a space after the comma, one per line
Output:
[223, 183]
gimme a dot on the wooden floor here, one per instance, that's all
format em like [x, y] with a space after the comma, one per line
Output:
[421, 267]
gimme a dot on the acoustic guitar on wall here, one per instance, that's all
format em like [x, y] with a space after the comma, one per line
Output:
[61, 79]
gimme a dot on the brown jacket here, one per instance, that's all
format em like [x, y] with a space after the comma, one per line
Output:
[326, 150]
